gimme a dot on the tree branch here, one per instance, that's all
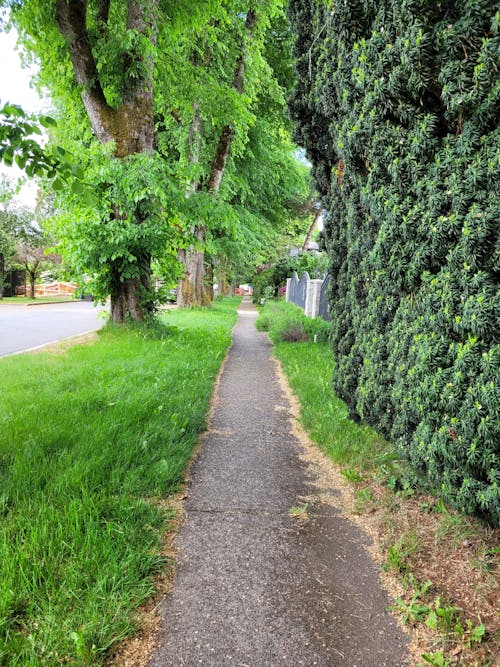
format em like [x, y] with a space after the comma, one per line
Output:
[226, 136]
[103, 12]
[71, 18]
[239, 72]
[142, 16]
[310, 231]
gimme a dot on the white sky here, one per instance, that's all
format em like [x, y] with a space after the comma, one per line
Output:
[15, 87]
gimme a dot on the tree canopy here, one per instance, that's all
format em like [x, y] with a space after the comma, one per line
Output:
[164, 106]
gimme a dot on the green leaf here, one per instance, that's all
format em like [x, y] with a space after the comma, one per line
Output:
[47, 121]
[21, 161]
[478, 633]
[77, 187]
[431, 621]
[58, 184]
[436, 659]
[90, 198]
[13, 110]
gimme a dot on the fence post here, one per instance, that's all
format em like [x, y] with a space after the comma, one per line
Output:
[287, 295]
[312, 297]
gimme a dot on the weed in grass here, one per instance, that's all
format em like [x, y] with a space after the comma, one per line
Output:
[436, 659]
[442, 618]
[401, 550]
[476, 634]
[486, 561]
[363, 499]
[403, 485]
[455, 527]
[263, 322]
[351, 475]
[87, 438]
[435, 506]
[300, 512]
[415, 609]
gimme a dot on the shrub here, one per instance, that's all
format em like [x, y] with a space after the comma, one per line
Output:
[263, 322]
[397, 105]
[286, 322]
[292, 332]
[317, 328]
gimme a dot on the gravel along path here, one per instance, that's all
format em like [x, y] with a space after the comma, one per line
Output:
[270, 572]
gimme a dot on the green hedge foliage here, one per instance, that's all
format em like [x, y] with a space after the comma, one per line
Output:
[397, 105]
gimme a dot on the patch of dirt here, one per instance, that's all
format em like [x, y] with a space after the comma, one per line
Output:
[62, 346]
[458, 554]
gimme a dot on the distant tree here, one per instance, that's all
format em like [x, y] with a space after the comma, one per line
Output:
[7, 246]
[7, 230]
[34, 259]
[23, 241]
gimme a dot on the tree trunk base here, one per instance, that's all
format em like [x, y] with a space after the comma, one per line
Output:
[190, 295]
[192, 291]
[126, 302]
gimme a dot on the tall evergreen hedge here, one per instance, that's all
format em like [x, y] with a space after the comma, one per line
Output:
[397, 104]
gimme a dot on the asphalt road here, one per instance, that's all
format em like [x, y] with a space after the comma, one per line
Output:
[25, 327]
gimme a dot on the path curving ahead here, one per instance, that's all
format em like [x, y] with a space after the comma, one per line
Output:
[255, 585]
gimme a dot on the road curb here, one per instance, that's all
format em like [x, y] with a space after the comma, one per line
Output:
[52, 342]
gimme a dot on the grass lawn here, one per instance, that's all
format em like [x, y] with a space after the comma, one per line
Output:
[88, 439]
[309, 368]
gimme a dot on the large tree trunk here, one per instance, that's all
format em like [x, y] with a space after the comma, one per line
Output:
[222, 277]
[129, 298]
[192, 290]
[130, 126]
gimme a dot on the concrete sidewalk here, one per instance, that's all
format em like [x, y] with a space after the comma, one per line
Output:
[255, 585]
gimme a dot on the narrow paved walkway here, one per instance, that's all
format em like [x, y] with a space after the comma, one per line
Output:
[256, 586]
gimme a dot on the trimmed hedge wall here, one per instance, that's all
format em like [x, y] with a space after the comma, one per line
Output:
[397, 105]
